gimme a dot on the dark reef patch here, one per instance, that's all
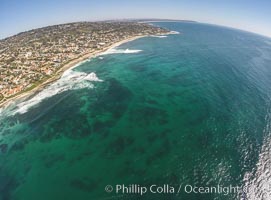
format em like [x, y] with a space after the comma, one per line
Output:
[51, 159]
[114, 100]
[3, 148]
[102, 127]
[159, 153]
[138, 68]
[85, 184]
[178, 80]
[7, 185]
[79, 128]
[119, 145]
[155, 75]
[19, 145]
[129, 168]
[147, 115]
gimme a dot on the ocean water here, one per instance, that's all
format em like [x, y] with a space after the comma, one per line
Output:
[183, 109]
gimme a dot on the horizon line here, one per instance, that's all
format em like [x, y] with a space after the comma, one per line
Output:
[141, 20]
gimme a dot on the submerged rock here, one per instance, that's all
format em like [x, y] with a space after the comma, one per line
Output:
[3, 148]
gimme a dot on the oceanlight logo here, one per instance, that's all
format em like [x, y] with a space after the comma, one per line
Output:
[207, 190]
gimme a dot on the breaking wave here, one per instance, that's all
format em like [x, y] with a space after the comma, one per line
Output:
[120, 51]
[174, 32]
[70, 80]
[159, 36]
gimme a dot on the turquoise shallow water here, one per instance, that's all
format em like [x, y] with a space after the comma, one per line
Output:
[190, 108]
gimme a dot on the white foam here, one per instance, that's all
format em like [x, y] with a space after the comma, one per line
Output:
[174, 32]
[120, 51]
[70, 80]
[159, 36]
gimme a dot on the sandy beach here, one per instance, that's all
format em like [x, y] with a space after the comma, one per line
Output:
[59, 73]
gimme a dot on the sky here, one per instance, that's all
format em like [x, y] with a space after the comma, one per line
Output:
[22, 15]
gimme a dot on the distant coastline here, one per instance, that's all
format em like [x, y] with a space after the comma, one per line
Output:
[31, 60]
[25, 94]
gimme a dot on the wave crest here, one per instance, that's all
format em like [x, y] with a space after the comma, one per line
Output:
[174, 32]
[159, 36]
[120, 51]
[70, 80]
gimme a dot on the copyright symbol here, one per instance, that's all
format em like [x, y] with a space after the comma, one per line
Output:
[108, 188]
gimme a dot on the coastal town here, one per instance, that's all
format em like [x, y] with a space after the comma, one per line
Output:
[30, 58]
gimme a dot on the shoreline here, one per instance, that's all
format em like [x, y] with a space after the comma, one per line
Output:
[65, 67]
